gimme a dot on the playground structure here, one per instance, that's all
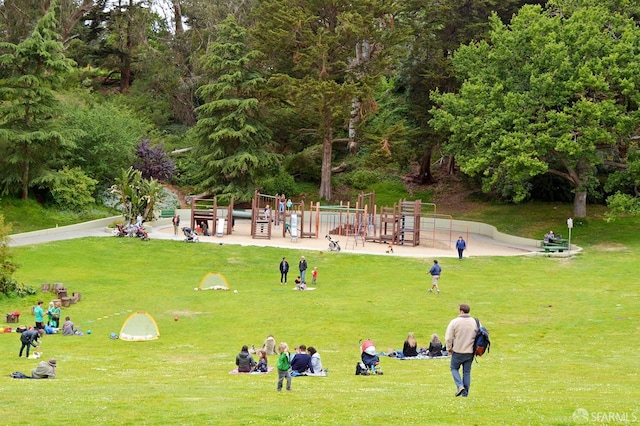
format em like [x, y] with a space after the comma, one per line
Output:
[204, 211]
[406, 223]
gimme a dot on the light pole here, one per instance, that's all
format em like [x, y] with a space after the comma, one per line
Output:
[569, 225]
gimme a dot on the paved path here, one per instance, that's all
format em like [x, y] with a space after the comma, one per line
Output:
[477, 244]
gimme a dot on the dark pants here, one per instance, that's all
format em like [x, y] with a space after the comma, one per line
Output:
[460, 253]
[281, 376]
[283, 276]
[466, 361]
[25, 345]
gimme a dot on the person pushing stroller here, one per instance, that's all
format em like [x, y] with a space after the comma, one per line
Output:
[190, 235]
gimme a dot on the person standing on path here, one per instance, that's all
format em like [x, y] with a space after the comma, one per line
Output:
[176, 223]
[284, 270]
[435, 276]
[302, 266]
[460, 338]
[461, 245]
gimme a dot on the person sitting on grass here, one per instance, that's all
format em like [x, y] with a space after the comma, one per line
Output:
[299, 284]
[67, 327]
[45, 370]
[410, 347]
[263, 366]
[301, 361]
[269, 346]
[245, 361]
[315, 362]
[435, 346]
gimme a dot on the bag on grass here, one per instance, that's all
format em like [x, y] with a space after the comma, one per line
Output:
[361, 369]
[482, 342]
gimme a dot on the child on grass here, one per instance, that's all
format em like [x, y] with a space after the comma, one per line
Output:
[262, 366]
[283, 366]
[314, 276]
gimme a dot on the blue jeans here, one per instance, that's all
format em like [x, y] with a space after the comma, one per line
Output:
[466, 361]
[303, 275]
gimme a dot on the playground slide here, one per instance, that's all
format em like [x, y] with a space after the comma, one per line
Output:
[242, 214]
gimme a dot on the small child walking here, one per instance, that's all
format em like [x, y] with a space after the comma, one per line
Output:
[283, 366]
[314, 276]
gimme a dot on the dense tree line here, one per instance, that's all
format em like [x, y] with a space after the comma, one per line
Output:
[255, 93]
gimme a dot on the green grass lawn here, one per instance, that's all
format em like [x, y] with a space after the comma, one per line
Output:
[29, 215]
[564, 335]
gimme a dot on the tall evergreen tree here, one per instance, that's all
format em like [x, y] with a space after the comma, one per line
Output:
[232, 142]
[30, 73]
[326, 55]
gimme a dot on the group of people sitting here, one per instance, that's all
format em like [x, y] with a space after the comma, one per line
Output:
[410, 348]
[305, 361]
[246, 363]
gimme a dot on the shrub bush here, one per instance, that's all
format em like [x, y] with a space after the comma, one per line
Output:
[72, 189]
[283, 183]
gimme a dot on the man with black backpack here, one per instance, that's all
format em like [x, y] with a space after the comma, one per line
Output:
[460, 338]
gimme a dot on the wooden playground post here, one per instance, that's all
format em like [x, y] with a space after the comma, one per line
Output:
[317, 219]
[230, 218]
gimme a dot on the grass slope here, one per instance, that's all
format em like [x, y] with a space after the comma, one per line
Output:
[564, 333]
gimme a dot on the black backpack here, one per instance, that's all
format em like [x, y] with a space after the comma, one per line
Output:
[482, 342]
[361, 369]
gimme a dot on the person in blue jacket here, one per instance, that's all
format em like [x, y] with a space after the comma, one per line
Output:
[301, 361]
[435, 272]
[461, 245]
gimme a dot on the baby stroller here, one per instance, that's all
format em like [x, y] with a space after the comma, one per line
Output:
[370, 363]
[191, 236]
[141, 233]
[125, 231]
[118, 231]
[333, 245]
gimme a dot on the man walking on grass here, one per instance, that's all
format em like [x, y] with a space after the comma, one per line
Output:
[460, 338]
[435, 276]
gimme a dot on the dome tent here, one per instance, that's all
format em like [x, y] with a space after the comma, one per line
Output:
[214, 281]
[139, 327]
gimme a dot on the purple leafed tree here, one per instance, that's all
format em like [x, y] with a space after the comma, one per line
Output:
[154, 162]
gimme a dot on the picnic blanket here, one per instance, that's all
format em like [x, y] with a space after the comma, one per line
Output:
[411, 358]
[323, 373]
[235, 371]
[306, 289]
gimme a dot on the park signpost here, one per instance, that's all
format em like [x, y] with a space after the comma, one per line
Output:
[570, 226]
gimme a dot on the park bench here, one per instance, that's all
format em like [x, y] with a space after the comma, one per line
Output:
[167, 213]
[555, 245]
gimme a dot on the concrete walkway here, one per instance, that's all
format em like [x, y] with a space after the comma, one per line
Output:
[482, 240]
